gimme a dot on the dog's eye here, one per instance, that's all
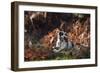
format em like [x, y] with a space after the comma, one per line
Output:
[60, 33]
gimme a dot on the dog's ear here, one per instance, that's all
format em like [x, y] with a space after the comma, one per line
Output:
[65, 33]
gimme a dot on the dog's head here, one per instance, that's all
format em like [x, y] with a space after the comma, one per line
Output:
[62, 34]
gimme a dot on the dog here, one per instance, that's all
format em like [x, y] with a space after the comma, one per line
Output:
[62, 43]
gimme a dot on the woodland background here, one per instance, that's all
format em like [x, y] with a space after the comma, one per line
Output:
[43, 27]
